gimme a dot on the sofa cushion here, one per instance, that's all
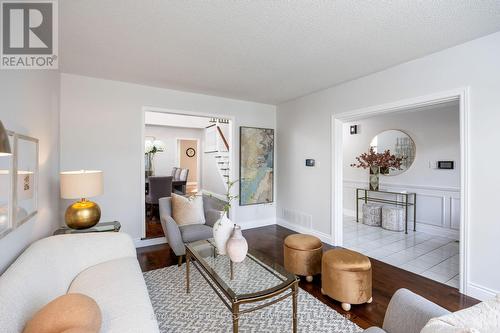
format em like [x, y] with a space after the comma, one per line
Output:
[482, 317]
[195, 232]
[47, 267]
[71, 311]
[187, 210]
[118, 288]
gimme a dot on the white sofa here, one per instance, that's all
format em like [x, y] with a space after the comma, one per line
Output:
[101, 265]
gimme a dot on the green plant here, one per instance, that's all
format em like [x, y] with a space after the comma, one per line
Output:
[229, 196]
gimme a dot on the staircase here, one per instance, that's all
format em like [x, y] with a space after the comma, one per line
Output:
[221, 157]
[222, 161]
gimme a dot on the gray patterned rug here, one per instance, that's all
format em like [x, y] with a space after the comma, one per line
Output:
[203, 311]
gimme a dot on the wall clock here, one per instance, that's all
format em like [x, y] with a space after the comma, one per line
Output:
[190, 152]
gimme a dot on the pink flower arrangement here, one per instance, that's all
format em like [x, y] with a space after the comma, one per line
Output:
[385, 161]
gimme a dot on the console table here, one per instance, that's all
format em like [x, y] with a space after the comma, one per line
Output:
[405, 203]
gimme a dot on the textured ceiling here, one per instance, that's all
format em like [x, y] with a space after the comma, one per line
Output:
[260, 50]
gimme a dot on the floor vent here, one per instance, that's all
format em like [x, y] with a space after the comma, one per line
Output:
[297, 218]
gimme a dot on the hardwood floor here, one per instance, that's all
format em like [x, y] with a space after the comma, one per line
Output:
[153, 228]
[386, 279]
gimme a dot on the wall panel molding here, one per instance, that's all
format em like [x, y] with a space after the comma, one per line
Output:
[438, 208]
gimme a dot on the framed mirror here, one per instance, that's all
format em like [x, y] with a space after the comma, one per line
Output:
[26, 181]
[6, 190]
[398, 143]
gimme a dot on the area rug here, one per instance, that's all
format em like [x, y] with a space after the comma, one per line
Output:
[202, 311]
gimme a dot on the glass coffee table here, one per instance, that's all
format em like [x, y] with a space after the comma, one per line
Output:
[236, 284]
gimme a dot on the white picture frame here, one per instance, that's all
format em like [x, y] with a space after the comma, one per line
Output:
[25, 185]
[6, 189]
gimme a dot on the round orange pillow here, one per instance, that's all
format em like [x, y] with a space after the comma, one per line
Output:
[70, 313]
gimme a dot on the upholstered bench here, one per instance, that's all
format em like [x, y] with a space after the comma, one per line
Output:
[302, 255]
[346, 276]
[372, 214]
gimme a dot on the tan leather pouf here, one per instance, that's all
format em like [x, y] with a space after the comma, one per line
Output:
[346, 276]
[303, 255]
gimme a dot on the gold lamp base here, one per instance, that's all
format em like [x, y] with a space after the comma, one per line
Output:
[82, 214]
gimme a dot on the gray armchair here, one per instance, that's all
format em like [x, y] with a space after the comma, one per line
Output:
[177, 235]
[408, 312]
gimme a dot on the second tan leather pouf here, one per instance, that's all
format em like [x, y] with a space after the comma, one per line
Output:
[302, 254]
[346, 276]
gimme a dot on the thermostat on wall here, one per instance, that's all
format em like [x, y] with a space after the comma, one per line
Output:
[447, 165]
[310, 162]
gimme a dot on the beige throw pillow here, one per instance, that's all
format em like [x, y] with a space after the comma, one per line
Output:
[187, 211]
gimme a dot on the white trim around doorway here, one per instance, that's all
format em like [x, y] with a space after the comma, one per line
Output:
[462, 96]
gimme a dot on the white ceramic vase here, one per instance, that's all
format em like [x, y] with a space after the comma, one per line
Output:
[222, 231]
[237, 246]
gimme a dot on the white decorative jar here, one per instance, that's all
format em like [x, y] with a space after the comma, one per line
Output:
[222, 231]
[237, 246]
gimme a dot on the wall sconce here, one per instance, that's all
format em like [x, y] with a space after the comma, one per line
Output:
[353, 129]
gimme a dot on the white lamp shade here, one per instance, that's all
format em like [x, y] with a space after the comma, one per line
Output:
[81, 184]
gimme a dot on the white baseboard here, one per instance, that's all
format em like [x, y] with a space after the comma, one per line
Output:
[300, 229]
[256, 223]
[479, 292]
[149, 242]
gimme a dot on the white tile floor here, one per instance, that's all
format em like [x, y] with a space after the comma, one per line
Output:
[431, 256]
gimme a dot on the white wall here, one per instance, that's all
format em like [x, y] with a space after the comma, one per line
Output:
[165, 161]
[107, 117]
[304, 128]
[436, 133]
[29, 104]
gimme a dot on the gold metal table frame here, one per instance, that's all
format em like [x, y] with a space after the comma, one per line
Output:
[233, 301]
[405, 203]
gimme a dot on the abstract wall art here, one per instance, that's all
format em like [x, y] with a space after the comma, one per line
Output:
[256, 165]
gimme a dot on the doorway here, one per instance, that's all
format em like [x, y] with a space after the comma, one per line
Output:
[460, 97]
[184, 150]
[188, 151]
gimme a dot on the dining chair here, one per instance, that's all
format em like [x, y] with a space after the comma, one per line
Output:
[159, 187]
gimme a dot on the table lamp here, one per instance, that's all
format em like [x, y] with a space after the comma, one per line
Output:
[81, 185]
